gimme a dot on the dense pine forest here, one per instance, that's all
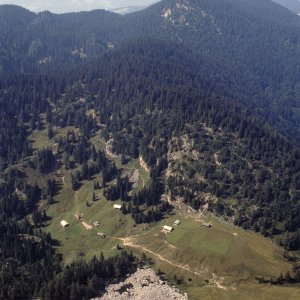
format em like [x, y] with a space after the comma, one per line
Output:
[207, 96]
[30, 267]
[157, 109]
[251, 49]
[261, 168]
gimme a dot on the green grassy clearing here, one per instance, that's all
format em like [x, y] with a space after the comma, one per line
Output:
[245, 291]
[76, 239]
[39, 138]
[203, 250]
[191, 251]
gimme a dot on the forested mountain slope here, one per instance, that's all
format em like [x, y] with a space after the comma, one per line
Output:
[216, 24]
[214, 68]
[253, 45]
[13, 37]
[248, 39]
[214, 152]
[194, 90]
[47, 40]
[203, 148]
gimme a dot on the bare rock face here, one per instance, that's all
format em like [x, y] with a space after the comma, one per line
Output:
[142, 285]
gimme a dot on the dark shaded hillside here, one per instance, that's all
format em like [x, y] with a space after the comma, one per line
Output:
[13, 37]
[149, 94]
[231, 162]
[152, 100]
[259, 50]
[201, 95]
[45, 41]
[30, 266]
[267, 11]
[253, 45]
[203, 70]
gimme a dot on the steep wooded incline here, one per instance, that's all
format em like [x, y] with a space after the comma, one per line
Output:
[254, 46]
[186, 104]
[214, 151]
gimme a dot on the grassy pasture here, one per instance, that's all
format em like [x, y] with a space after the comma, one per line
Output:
[213, 263]
[191, 252]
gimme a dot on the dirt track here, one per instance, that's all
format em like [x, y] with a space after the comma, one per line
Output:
[128, 241]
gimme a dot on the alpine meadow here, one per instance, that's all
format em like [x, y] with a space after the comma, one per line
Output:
[165, 139]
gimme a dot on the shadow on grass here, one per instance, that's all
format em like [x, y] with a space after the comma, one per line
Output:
[55, 243]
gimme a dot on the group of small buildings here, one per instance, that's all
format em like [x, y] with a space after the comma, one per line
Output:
[65, 224]
[79, 217]
[169, 229]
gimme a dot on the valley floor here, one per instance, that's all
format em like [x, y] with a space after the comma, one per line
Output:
[220, 262]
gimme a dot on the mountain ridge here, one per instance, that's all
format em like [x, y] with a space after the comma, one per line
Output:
[257, 43]
[185, 114]
[293, 5]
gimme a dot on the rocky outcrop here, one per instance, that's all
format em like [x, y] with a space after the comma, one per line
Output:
[142, 285]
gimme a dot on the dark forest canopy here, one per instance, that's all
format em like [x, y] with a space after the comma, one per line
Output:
[253, 45]
[215, 80]
[142, 103]
[148, 94]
